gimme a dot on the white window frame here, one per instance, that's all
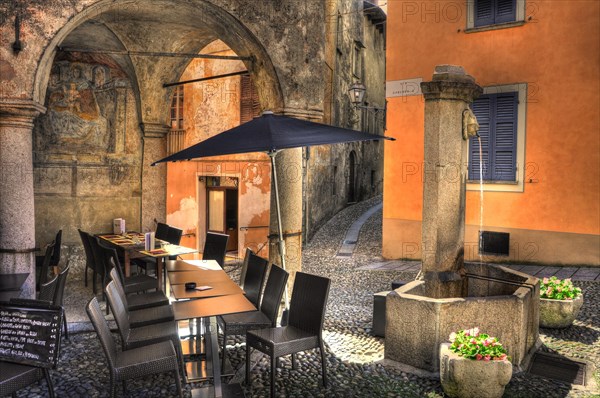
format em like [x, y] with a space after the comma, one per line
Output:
[518, 185]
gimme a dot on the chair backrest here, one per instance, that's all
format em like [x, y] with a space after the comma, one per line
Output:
[245, 266]
[309, 299]
[215, 247]
[111, 261]
[119, 310]
[56, 252]
[162, 231]
[103, 331]
[271, 301]
[60, 287]
[255, 277]
[114, 275]
[46, 263]
[97, 254]
[48, 289]
[174, 235]
[89, 256]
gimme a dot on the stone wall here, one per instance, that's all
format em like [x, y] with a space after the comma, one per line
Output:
[327, 175]
[87, 150]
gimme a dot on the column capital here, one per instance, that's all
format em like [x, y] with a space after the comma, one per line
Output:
[154, 130]
[19, 112]
[451, 82]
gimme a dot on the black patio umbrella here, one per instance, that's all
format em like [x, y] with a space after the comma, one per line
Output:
[271, 133]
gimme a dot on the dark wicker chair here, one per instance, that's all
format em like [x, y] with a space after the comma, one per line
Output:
[89, 259]
[44, 268]
[131, 284]
[139, 301]
[48, 290]
[174, 235]
[99, 264]
[304, 329]
[155, 358]
[14, 376]
[215, 247]
[266, 316]
[143, 335]
[162, 231]
[55, 259]
[146, 316]
[59, 295]
[245, 267]
[255, 278]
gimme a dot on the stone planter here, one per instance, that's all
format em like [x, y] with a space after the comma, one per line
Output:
[558, 314]
[467, 378]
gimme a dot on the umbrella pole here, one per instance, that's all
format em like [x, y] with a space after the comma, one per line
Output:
[280, 242]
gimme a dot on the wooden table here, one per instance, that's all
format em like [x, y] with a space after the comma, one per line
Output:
[132, 248]
[129, 244]
[225, 297]
[192, 265]
[163, 253]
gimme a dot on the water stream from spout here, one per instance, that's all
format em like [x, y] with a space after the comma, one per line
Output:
[480, 200]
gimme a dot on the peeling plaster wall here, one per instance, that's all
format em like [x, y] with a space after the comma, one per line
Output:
[211, 107]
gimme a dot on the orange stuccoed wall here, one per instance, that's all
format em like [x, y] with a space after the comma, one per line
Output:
[211, 107]
[556, 218]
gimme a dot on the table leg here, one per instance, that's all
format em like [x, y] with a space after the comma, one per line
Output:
[127, 263]
[212, 356]
[160, 265]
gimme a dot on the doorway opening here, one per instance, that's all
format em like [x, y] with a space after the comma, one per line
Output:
[352, 178]
[222, 208]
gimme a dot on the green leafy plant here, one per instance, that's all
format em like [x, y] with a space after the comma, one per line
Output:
[472, 344]
[557, 289]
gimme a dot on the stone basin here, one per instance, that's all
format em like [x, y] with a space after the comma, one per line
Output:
[501, 302]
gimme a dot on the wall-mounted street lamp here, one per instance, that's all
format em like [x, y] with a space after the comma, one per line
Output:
[357, 94]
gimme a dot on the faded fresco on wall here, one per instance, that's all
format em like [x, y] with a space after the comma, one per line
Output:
[87, 149]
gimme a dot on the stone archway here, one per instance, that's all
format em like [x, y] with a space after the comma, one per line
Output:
[283, 83]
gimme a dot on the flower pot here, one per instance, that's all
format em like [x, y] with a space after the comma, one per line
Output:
[558, 314]
[468, 378]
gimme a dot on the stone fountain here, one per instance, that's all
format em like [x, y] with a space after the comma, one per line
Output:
[450, 295]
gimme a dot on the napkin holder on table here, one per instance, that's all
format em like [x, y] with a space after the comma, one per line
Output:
[119, 226]
[149, 241]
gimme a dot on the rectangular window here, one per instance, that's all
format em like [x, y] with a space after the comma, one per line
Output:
[491, 12]
[249, 105]
[177, 108]
[497, 115]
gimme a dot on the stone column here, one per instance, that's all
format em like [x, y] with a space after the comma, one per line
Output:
[444, 185]
[17, 219]
[154, 178]
[289, 178]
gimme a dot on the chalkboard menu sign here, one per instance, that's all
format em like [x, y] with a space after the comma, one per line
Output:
[30, 334]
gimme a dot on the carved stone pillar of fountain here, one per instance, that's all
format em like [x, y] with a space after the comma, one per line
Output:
[445, 174]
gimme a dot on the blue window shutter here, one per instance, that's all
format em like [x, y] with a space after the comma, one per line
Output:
[484, 12]
[482, 108]
[505, 11]
[490, 12]
[505, 137]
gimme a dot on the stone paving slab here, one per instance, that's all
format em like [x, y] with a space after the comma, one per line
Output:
[547, 272]
[566, 272]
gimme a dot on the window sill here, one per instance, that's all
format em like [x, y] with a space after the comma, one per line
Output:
[496, 186]
[485, 28]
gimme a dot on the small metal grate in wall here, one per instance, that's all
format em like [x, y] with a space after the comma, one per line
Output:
[558, 368]
[495, 243]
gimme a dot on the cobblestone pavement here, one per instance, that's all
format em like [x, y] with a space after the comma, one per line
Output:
[354, 356]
